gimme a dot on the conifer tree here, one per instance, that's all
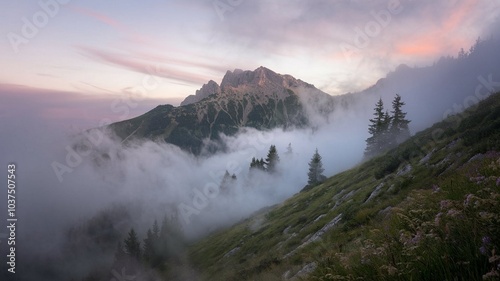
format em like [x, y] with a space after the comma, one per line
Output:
[377, 130]
[119, 253]
[387, 131]
[272, 159]
[257, 164]
[253, 163]
[227, 182]
[120, 257]
[316, 170]
[149, 246]
[262, 164]
[164, 230]
[399, 130]
[156, 230]
[386, 140]
[171, 236]
[226, 177]
[132, 245]
[164, 239]
[289, 150]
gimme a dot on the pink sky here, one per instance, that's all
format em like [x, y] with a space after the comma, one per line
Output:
[96, 51]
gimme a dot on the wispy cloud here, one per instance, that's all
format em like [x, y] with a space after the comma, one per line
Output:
[121, 27]
[146, 65]
[98, 16]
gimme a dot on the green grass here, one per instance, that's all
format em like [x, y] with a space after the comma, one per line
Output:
[420, 226]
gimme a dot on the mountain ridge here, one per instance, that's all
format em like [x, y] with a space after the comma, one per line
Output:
[262, 99]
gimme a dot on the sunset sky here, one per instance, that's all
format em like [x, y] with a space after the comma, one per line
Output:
[168, 49]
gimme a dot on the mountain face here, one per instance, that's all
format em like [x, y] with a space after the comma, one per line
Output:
[260, 99]
[208, 89]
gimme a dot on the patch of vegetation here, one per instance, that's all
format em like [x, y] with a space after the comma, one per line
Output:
[388, 165]
[444, 233]
[438, 220]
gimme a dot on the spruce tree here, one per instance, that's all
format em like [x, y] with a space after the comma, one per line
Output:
[226, 177]
[257, 164]
[261, 165]
[156, 230]
[377, 129]
[227, 182]
[157, 258]
[149, 246]
[171, 237]
[316, 170]
[119, 253]
[253, 164]
[164, 239]
[165, 229]
[272, 159]
[399, 130]
[386, 140]
[132, 245]
[289, 150]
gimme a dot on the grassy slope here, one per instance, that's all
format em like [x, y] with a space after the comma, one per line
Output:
[403, 215]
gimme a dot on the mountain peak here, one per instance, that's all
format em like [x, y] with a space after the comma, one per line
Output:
[262, 82]
[206, 90]
[261, 78]
[258, 77]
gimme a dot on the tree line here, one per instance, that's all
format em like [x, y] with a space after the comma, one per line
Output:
[268, 165]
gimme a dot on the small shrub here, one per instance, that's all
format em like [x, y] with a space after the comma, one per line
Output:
[388, 165]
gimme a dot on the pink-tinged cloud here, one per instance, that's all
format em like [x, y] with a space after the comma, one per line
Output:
[423, 46]
[148, 67]
[119, 26]
[201, 61]
[441, 39]
[459, 15]
[98, 16]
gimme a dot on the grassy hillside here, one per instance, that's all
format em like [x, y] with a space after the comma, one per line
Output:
[427, 210]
